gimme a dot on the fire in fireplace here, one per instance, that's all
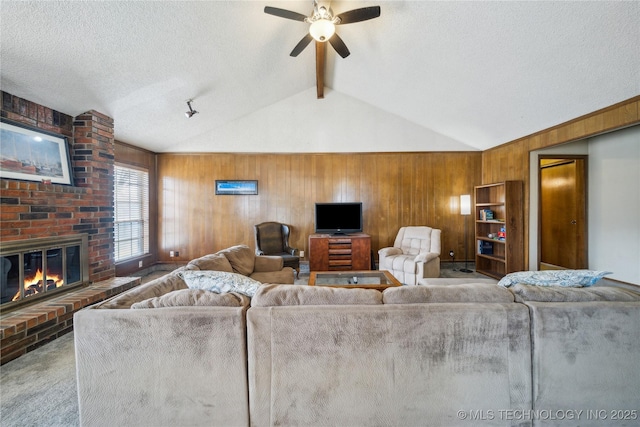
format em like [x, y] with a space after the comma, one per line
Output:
[39, 282]
[37, 267]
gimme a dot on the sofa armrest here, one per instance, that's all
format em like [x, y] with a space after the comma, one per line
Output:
[389, 251]
[155, 288]
[426, 257]
[290, 251]
[177, 364]
[569, 339]
[384, 254]
[268, 263]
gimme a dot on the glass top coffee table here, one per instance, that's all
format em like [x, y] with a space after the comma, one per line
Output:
[373, 279]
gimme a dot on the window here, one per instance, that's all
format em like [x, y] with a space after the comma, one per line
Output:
[131, 202]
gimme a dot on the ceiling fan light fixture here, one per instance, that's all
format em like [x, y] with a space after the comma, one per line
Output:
[322, 30]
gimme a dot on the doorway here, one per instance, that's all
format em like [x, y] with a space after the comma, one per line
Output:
[562, 235]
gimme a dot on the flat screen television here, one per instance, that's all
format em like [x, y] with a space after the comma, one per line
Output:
[338, 218]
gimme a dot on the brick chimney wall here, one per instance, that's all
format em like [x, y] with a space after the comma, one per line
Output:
[30, 209]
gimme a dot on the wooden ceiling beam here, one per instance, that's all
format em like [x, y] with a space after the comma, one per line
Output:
[320, 65]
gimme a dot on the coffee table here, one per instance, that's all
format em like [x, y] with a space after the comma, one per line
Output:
[372, 279]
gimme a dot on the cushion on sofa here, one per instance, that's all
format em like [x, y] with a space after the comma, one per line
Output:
[155, 288]
[194, 297]
[241, 258]
[560, 294]
[268, 263]
[468, 292]
[282, 277]
[377, 365]
[567, 278]
[454, 281]
[217, 262]
[220, 281]
[280, 295]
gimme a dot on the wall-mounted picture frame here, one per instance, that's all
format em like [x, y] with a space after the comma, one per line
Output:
[31, 154]
[236, 187]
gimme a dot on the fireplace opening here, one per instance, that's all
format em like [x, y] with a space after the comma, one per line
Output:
[36, 268]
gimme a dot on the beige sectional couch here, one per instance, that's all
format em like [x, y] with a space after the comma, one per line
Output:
[400, 361]
[446, 355]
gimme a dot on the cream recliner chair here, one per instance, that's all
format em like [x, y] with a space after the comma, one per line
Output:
[415, 255]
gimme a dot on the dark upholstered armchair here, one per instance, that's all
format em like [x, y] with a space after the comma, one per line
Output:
[272, 238]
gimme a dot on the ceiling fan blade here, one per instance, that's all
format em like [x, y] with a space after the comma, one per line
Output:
[357, 15]
[301, 45]
[283, 13]
[339, 45]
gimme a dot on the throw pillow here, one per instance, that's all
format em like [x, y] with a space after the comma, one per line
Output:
[194, 298]
[241, 258]
[220, 281]
[566, 278]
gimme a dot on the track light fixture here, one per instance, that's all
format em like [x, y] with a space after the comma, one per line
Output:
[191, 111]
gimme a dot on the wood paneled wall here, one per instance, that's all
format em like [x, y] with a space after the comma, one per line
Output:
[396, 189]
[511, 161]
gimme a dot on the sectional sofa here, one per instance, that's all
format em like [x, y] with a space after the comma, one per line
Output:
[438, 355]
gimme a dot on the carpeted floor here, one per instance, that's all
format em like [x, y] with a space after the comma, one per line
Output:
[452, 270]
[39, 388]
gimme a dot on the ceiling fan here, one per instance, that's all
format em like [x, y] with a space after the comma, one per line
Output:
[322, 29]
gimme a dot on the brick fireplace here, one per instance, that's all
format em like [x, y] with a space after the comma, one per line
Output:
[32, 210]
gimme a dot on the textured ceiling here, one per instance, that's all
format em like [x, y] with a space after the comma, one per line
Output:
[426, 75]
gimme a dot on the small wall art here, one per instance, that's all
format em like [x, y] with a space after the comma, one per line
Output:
[236, 187]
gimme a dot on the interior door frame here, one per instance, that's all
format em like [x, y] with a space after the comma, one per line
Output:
[585, 172]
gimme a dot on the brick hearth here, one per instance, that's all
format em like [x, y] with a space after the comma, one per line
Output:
[26, 329]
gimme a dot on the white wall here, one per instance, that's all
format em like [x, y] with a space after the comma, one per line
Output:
[337, 124]
[613, 202]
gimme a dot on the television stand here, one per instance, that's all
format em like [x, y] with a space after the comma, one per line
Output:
[328, 252]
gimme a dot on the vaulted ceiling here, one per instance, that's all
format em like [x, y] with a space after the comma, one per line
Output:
[424, 76]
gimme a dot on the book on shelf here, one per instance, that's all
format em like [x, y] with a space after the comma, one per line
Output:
[486, 215]
[485, 248]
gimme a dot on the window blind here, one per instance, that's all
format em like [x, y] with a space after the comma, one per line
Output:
[131, 204]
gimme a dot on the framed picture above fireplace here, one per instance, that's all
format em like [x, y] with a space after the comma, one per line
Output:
[31, 154]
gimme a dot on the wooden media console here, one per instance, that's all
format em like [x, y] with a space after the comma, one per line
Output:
[329, 252]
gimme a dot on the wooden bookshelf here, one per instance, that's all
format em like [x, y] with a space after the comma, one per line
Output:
[500, 237]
